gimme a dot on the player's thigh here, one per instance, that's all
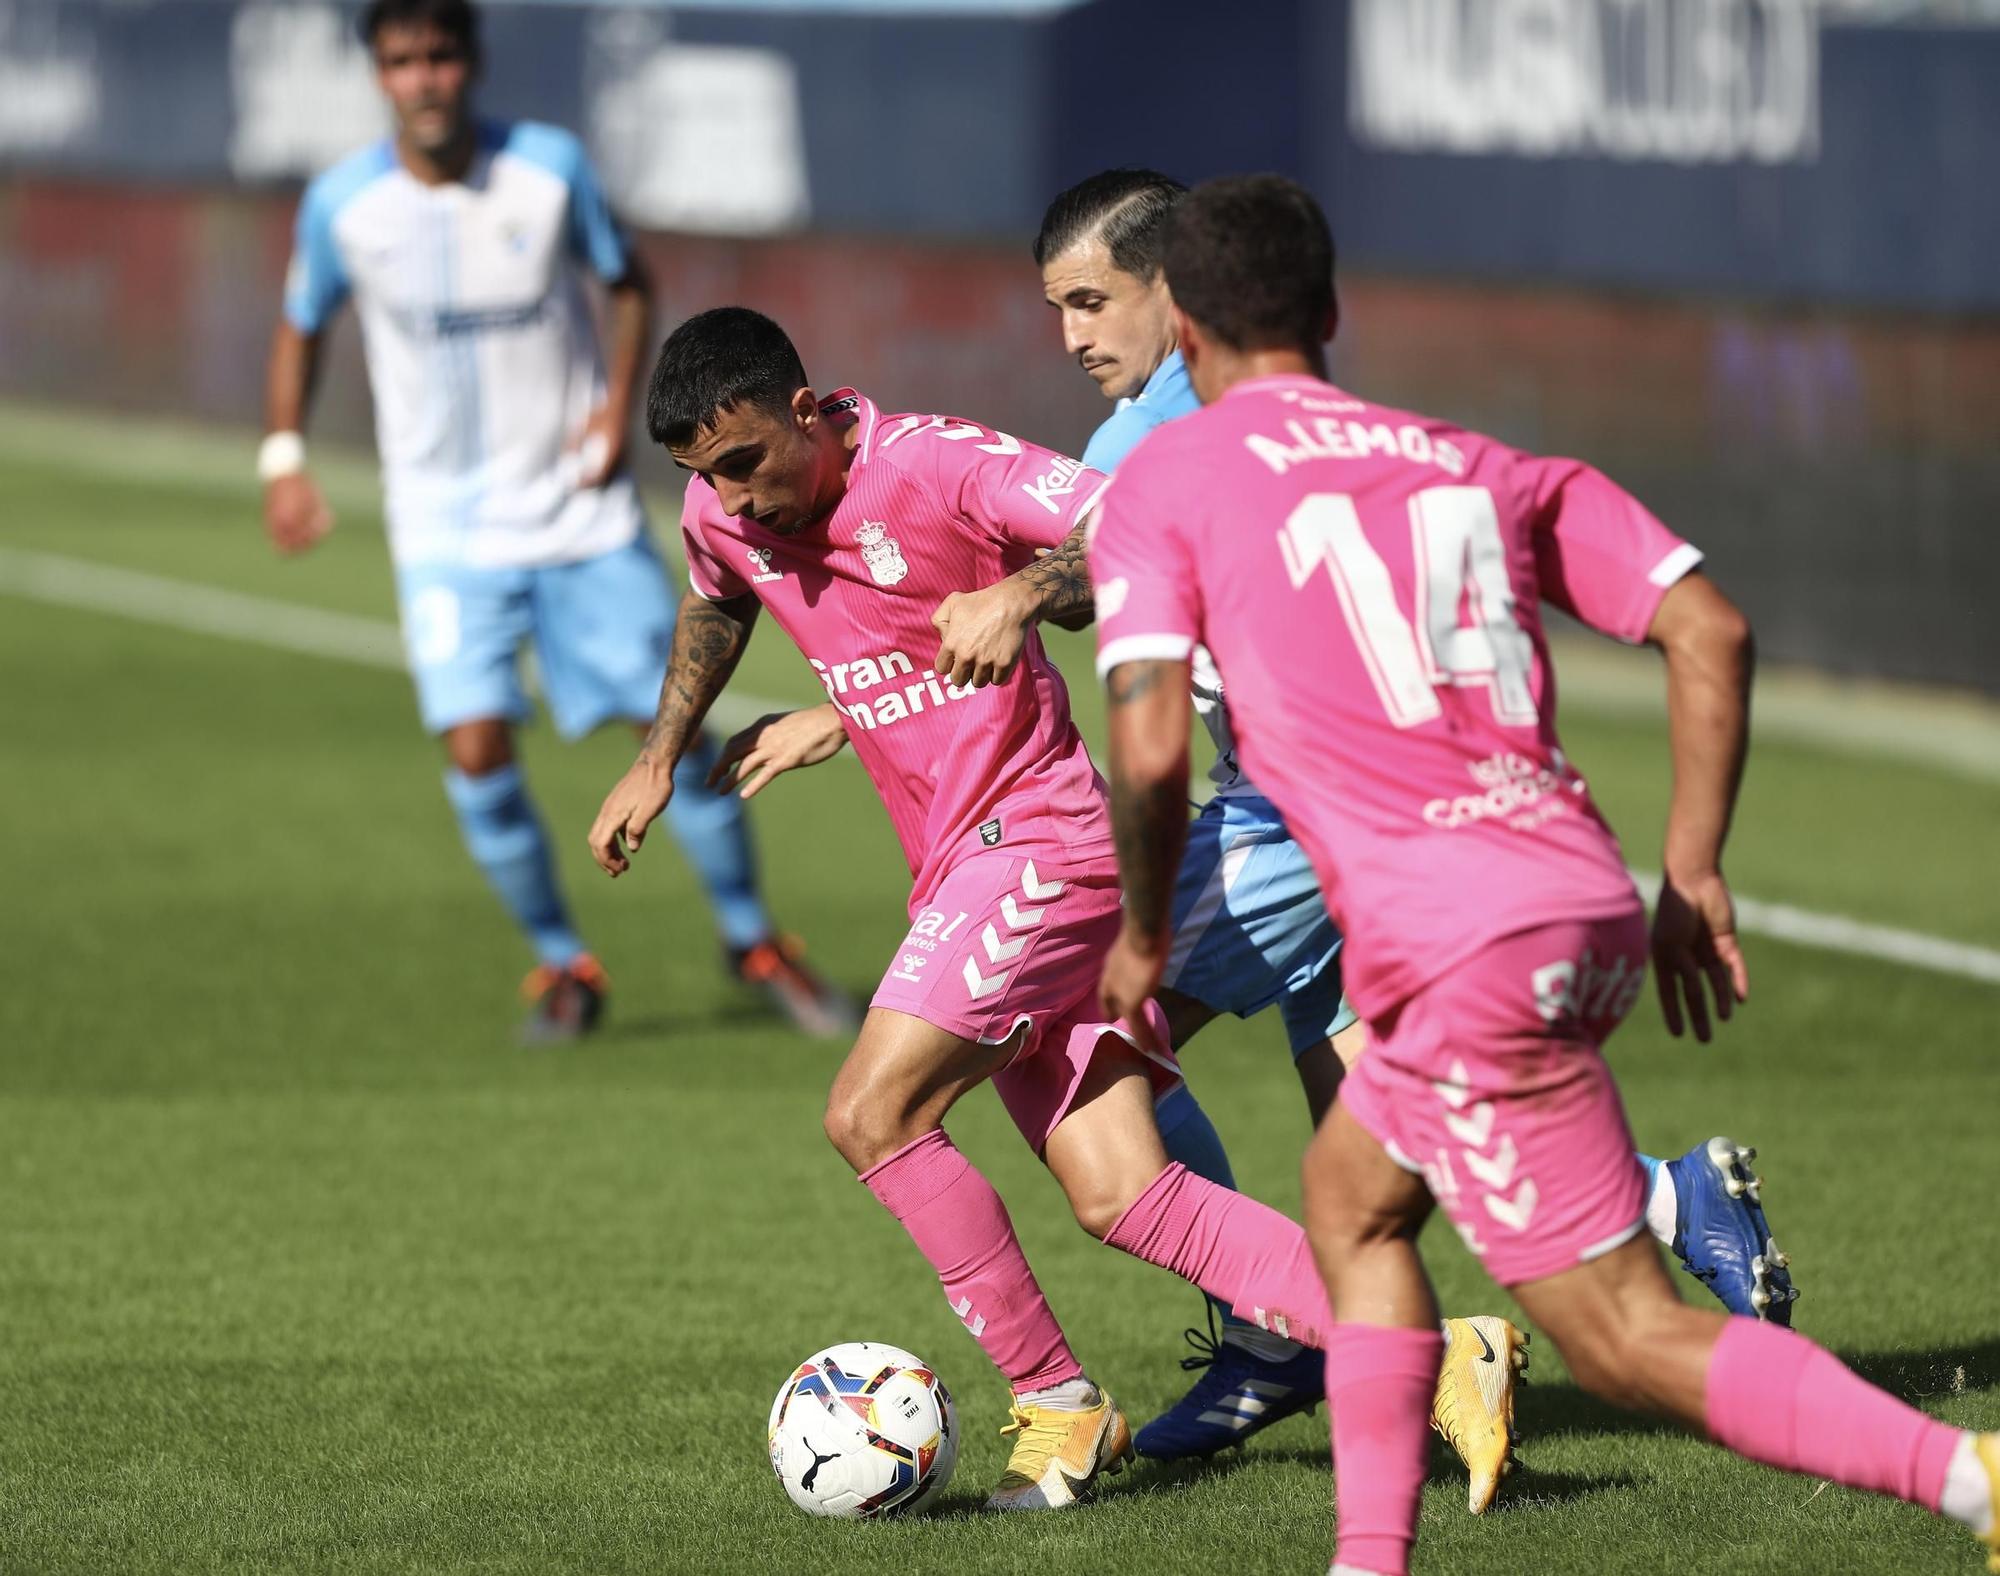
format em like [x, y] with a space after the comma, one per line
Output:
[898, 1081]
[1105, 1150]
[1355, 1192]
[603, 628]
[1625, 1333]
[462, 633]
[1491, 1083]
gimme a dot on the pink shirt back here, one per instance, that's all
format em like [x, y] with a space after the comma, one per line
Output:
[933, 505]
[1371, 583]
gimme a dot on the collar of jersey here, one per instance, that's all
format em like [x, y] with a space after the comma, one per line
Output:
[1163, 376]
[863, 411]
[1275, 380]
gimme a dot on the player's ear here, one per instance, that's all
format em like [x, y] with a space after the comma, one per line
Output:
[1332, 322]
[1187, 335]
[805, 410]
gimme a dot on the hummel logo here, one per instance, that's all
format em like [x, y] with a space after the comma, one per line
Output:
[812, 1472]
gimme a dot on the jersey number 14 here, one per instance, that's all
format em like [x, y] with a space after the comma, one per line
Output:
[1461, 562]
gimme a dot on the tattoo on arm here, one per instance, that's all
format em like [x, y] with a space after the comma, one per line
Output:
[1149, 825]
[1132, 680]
[1148, 817]
[1061, 583]
[709, 638]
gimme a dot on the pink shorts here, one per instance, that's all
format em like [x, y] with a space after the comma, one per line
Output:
[1491, 1083]
[1006, 942]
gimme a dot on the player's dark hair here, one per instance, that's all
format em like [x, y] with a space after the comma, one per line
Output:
[1128, 208]
[715, 361]
[1250, 258]
[454, 18]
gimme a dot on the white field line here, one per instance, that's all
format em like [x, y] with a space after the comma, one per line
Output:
[370, 642]
[260, 621]
[1943, 730]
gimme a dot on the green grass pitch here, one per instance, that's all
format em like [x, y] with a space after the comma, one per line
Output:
[303, 1266]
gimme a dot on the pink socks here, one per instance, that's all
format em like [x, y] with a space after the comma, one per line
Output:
[1237, 1250]
[1777, 1398]
[958, 1222]
[1379, 1385]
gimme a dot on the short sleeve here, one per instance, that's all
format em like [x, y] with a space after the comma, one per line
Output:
[1600, 554]
[595, 237]
[1148, 597]
[709, 573]
[316, 282]
[1027, 496]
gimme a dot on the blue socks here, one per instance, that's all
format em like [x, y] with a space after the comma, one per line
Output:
[712, 832]
[505, 838]
[1191, 1139]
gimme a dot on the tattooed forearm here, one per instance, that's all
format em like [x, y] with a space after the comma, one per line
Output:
[709, 638]
[1149, 825]
[1132, 681]
[1148, 721]
[1060, 581]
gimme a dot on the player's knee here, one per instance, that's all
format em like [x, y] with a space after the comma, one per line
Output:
[1098, 1209]
[479, 748]
[853, 1130]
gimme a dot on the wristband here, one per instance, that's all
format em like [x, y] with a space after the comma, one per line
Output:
[280, 454]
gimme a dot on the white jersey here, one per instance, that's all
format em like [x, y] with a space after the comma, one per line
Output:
[482, 357]
[1205, 682]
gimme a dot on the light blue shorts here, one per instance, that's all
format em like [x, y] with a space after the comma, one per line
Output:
[601, 629]
[1250, 926]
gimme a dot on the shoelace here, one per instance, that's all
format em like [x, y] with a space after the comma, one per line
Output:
[1207, 1348]
[1038, 1442]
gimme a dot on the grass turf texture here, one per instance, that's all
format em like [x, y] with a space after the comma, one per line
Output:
[307, 1267]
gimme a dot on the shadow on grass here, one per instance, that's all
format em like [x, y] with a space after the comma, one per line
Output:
[745, 1008]
[1550, 1411]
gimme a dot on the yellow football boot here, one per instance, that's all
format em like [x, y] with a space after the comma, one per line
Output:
[1987, 1448]
[1474, 1407]
[1058, 1455]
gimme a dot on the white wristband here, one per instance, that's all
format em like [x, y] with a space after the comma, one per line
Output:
[280, 454]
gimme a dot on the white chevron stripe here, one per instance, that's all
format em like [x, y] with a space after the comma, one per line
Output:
[998, 951]
[1041, 891]
[979, 986]
[1019, 918]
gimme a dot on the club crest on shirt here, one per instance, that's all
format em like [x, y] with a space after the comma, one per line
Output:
[881, 554]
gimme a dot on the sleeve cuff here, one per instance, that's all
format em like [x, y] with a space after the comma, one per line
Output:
[1143, 648]
[1680, 562]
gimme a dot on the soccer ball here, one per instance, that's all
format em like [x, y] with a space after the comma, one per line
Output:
[863, 1430]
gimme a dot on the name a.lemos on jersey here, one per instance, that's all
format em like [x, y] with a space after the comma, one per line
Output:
[1334, 438]
[851, 679]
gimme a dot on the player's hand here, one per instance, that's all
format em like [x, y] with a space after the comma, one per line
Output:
[774, 745]
[981, 634]
[635, 804]
[296, 514]
[1132, 971]
[600, 447]
[1694, 947]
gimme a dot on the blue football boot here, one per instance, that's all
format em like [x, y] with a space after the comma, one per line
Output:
[1238, 1394]
[1721, 1236]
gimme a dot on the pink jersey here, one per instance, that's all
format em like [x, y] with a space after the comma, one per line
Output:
[1370, 583]
[933, 505]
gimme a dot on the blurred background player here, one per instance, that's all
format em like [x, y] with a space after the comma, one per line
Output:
[1251, 929]
[511, 513]
[1372, 580]
[881, 538]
